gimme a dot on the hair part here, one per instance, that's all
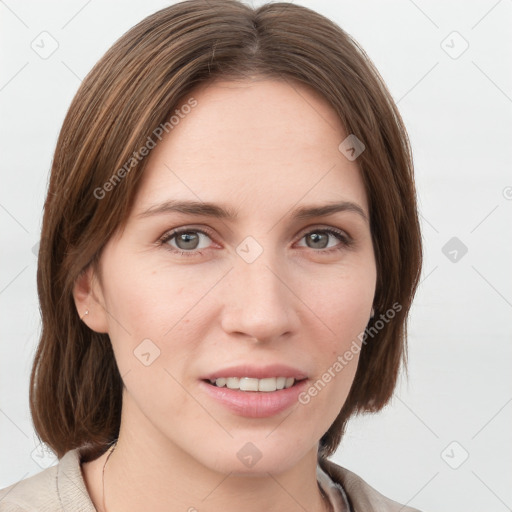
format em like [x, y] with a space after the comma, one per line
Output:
[75, 385]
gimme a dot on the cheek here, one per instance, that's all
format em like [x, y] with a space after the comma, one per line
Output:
[344, 303]
[150, 302]
[327, 392]
[151, 338]
[344, 309]
[153, 322]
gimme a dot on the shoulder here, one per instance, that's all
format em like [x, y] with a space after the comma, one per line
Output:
[361, 495]
[57, 488]
[38, 492]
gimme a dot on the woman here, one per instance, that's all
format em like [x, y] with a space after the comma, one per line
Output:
[230, 248]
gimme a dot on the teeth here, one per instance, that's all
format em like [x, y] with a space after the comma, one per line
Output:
[249, 384]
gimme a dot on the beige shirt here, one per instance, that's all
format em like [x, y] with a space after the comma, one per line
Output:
[62, 488]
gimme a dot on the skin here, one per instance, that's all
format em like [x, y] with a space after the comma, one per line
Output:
[263, 147]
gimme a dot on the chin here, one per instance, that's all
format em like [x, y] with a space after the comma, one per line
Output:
[254, 458]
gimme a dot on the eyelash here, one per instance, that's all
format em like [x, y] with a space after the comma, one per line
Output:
[346, 241]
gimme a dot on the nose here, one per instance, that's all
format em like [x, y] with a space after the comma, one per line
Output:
[259, 300]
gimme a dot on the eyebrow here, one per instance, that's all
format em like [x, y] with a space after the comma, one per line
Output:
[214, 210]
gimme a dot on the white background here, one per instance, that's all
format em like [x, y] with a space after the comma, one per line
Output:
[458, 114]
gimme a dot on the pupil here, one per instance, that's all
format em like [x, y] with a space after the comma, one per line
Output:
[187, 238]
[316, 237]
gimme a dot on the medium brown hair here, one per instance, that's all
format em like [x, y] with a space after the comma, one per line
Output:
[75, 385]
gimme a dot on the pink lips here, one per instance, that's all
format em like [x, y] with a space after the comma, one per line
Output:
[262, 372]
[255, 404]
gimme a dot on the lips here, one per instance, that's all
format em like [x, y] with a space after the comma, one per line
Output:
[254, 404]
[256, 372]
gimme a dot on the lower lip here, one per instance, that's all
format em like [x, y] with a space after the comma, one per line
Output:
[256, 404]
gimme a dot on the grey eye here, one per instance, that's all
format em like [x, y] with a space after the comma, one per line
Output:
[319, 240]
[188, 240]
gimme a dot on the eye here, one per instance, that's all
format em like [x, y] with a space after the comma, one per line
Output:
[189, 241]
[319, 240]
[185, 242]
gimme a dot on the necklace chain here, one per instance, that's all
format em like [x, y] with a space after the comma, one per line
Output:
[103, 477]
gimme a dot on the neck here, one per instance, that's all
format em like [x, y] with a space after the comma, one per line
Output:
[146, 471]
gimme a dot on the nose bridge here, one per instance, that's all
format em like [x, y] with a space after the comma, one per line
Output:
[261, 306]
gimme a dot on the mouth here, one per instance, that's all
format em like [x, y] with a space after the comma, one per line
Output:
[251, 397]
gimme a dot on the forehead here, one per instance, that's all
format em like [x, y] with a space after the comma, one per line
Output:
[255, 142]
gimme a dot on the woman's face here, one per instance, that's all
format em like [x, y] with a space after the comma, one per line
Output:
[266, 290]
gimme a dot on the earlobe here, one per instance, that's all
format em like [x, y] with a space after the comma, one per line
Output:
[89, 301]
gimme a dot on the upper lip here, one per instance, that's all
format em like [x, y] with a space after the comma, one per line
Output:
[257, 372]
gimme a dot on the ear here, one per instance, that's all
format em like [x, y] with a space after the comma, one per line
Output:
[89, 301]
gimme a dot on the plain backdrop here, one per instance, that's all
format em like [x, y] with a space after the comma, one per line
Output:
[444, 442]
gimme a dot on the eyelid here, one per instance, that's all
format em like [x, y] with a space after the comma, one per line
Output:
[323, 227]
[345, 238]
[171, 233]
